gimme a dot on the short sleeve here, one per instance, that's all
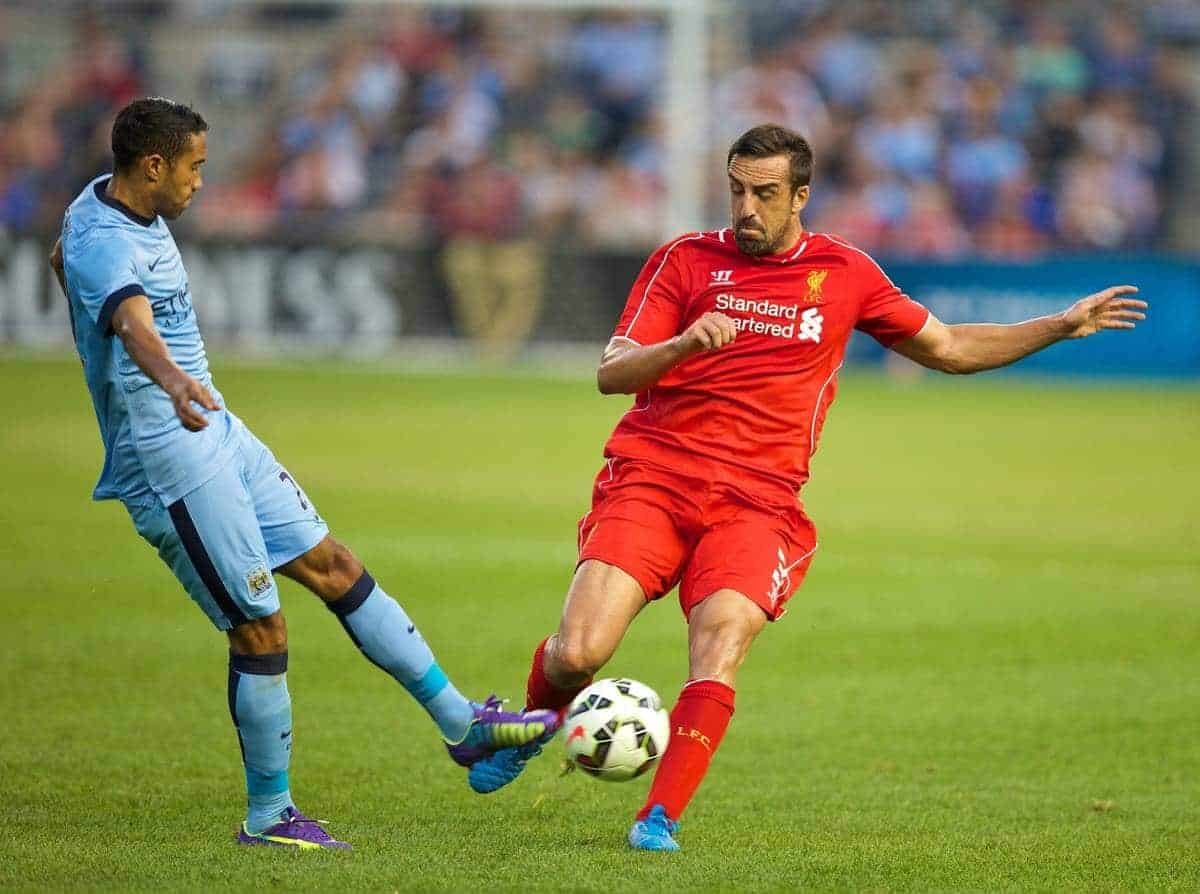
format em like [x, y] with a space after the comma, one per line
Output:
[102, 274]
[657, 300]
[886, 314]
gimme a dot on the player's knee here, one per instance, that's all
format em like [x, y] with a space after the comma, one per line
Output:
[260, 636]
[329, 569]
[579, 656]
[344, 567]
[727, 616]
[732, 632]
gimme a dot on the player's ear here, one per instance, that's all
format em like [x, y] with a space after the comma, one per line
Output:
[155, 167]
[799, 199]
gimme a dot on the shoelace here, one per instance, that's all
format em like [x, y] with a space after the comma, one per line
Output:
[298, 819]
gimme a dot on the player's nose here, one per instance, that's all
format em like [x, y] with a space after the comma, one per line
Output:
[747, 210]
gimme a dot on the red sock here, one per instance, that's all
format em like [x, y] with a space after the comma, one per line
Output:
[698, 724]
[540, 692]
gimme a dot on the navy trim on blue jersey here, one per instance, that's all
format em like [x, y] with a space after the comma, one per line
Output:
[354, 597]
[111, 303]
[101, 186]
[190, 537]
[263, 665]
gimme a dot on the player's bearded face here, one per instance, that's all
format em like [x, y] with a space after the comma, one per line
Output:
[763, 205]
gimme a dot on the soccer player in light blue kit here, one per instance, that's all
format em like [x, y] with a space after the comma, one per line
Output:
[208, 495]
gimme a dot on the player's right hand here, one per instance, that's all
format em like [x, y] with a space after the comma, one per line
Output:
[711, 332]
[183, 391]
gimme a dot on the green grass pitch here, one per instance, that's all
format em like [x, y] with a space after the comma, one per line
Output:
[989, 680]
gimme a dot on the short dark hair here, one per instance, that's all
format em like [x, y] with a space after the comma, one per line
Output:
[773, 139]
[153, 126]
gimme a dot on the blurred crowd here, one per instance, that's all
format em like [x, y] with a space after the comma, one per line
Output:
[1003, 129]
[940, 129]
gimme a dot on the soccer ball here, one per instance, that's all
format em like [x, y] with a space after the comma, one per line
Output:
[616, 729]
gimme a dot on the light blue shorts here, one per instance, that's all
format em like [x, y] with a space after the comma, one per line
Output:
[224, 539]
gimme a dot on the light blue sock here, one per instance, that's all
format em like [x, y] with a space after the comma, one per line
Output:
[261, 709]
[383, 632]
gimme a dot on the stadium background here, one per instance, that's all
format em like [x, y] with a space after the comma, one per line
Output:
[386, 171]
[991, 670]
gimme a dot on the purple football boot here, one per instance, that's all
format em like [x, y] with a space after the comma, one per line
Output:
[494, 729]
[294, 830]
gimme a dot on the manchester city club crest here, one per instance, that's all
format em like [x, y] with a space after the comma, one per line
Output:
[258, 581]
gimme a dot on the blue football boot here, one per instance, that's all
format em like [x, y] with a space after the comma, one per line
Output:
[499, 769]
[655, 832]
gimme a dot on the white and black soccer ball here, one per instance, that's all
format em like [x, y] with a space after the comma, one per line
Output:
[616, 729]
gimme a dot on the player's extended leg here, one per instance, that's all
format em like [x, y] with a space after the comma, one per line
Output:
[720, 631]
[390, 640]
[601, 603]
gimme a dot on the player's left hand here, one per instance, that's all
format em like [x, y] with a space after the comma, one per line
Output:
[1104, 310]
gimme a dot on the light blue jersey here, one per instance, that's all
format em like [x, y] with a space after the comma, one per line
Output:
[111, 253]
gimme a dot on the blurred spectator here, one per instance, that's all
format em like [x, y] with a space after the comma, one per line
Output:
[493, 269]
[931, 229]
[1049, 62]
[845, 62]
[1010, 232]
[1105, 202]
[979, 164]
[901, 136]
[623, 206]
[769, 91]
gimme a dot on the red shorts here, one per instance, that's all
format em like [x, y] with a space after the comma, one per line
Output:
[664, 529]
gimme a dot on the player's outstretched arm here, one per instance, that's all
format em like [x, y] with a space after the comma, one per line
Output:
[133, 322]
[974, 347]
[628, 367]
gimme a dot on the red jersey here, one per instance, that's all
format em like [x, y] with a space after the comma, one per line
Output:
[756, 406]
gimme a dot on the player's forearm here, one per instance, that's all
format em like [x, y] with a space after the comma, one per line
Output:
[629, 368]
[147, 349]
[980, 346]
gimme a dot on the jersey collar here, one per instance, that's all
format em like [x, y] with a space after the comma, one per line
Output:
[108, 200]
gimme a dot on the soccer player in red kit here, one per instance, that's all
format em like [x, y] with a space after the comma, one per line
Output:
[732, 341]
